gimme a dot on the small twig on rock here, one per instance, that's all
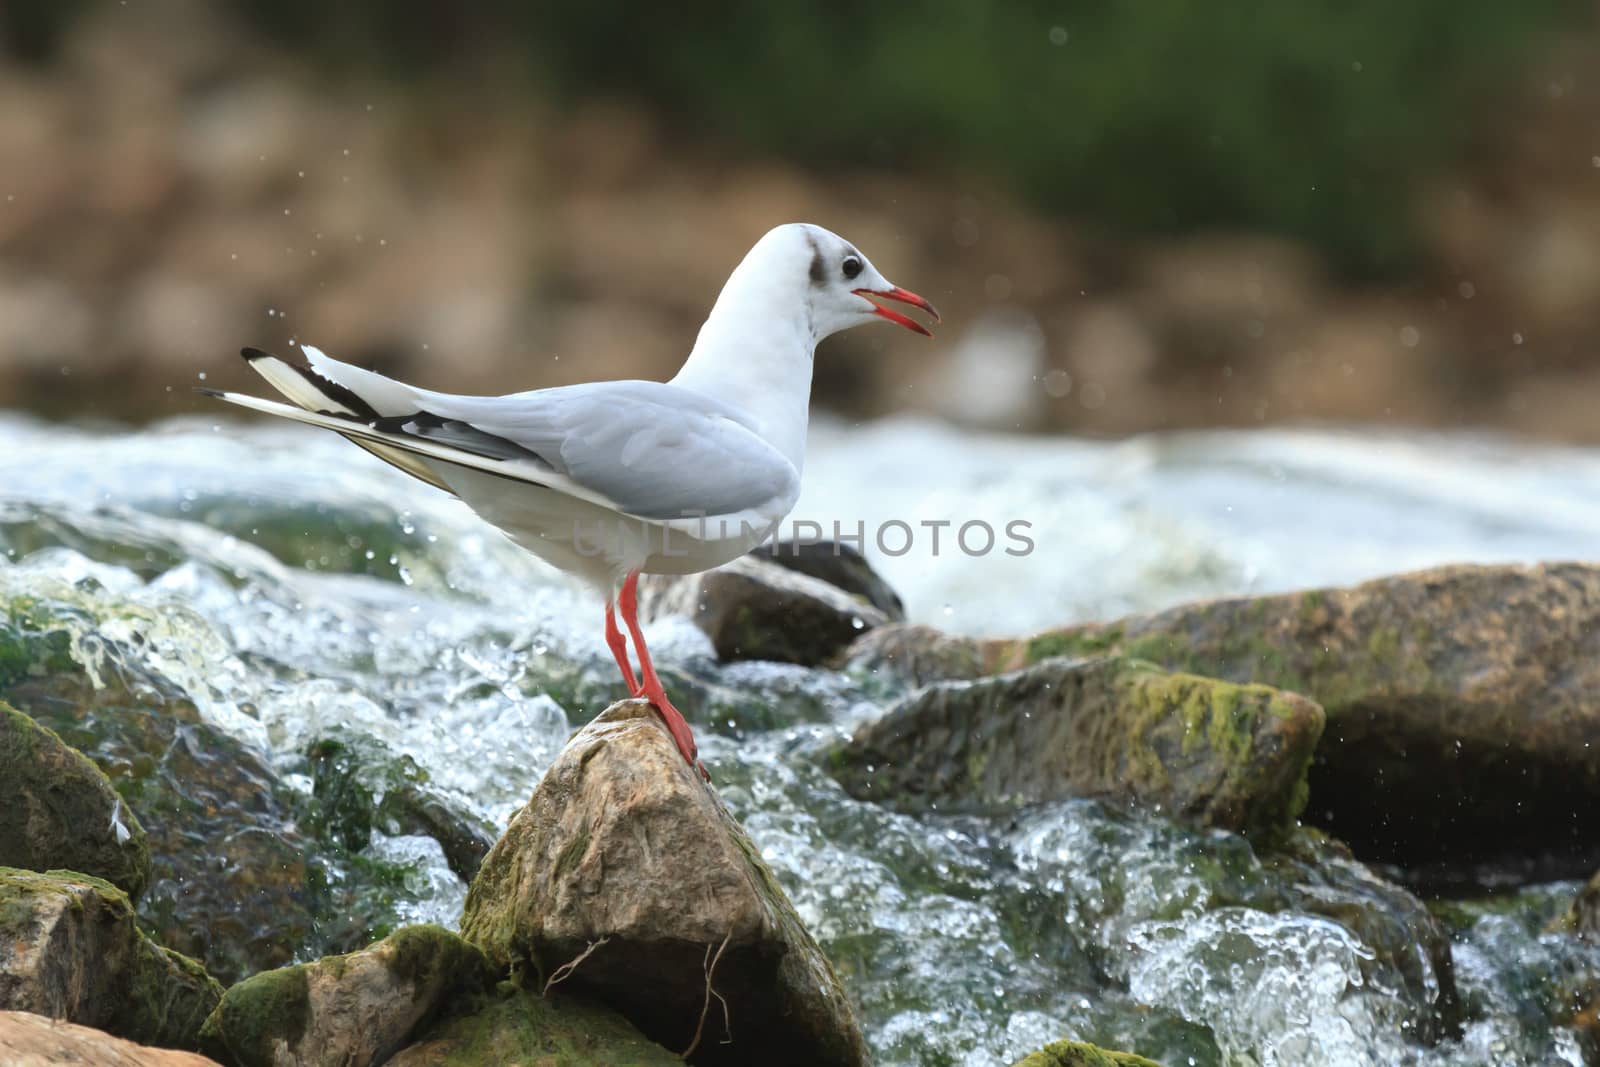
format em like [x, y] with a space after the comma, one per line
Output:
[563, 972]
[710, 966]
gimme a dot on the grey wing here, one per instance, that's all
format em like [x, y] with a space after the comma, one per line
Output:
[654, 450]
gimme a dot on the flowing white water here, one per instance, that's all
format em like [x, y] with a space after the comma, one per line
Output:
[288, 584]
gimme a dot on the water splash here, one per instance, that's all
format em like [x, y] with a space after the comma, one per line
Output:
[289, 588]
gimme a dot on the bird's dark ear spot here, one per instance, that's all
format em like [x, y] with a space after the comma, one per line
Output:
[818, 271]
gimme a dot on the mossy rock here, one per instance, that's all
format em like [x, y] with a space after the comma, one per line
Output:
[356, 1008]
[1207, 752]
[625, 873]
[518, 1026]
[58, 810]
[243, 873]
[361, 785]
[1081, 1054]
[70, 949]
[1461, 701]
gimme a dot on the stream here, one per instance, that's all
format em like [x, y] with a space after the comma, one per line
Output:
[282, 587]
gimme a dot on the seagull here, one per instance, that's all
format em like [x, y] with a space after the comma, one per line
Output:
[609, 480]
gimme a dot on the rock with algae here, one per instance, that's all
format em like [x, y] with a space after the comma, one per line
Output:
[346, 1011]
[521, 1026]
[69, 949]
[57, 810]
[627, 867]
[29, 1040]
[1207, 752]
[239, 876]
[1081, 1054]
[362, 785]
[1446, 690]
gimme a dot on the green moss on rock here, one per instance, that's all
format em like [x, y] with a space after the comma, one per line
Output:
[1446, 691]
[352, 1008]
[57, 810]
[514, 1026]
[258, 1014]
[1209, 752]
[103, 971]
[168, 998]
[1082, 1054]
[425, 954]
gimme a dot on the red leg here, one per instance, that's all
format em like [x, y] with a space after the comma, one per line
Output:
[651, 689]
[619, 649]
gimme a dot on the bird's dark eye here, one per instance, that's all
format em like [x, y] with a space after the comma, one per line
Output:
[852, 266]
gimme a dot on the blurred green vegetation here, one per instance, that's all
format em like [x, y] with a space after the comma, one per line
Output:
[1311, 118]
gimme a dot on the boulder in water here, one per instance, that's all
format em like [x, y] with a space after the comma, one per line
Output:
[350, 1010]
[625, 880]
[1081, 1054]
[522, 1026]
[58, 810]
[1207, 752]
[756, 609]
[840, 566]
[69, 949]
[1462, 702]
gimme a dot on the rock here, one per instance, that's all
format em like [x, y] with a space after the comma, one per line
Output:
[1207, 752]
[626, 878]
[361, 785]
[239, 878]
[840, 566]
[516, 1026]
[349, 1010]
[1402, 936]
[29, 1040]
[1582, 919]
[1463, 702]
[755, 609]
[1081, 1054]
[915, 655]
[58, 810]
[69, 949]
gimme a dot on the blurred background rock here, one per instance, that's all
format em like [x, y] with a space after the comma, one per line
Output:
[1134, 216]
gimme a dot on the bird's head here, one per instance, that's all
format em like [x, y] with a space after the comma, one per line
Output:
[837, 285]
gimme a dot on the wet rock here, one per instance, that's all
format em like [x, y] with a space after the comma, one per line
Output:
[1404, 938]
[58, 810]
[1462, 702]
[1582, 919]
[915, 655]
[69, 949]
[236, 878]
[231, 867]
[361, 785]
[840, 566]
[517, 1026]
[625, 878]
[349, 1010]
[1081, 1054]
[755, 609]
[29, 1040]
[1207, 752]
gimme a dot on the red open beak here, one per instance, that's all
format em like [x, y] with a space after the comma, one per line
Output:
[905, 296]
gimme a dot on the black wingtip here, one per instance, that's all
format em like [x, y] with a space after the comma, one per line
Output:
[252, 354]
[204, 391]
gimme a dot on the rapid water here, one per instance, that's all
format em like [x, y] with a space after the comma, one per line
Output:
[289, 587]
